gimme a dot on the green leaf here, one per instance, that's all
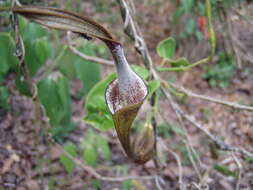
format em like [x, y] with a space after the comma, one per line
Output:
[181, 62]
[31, 31]
[87, 71]
[190, 26]
[127, 185]
[22, 85]
[65, 64]
[103, 147]
[199, 35]
[178, 13]
[90, 155]
[97, 114]
[224, 170]
[141, 71]
[166, 48]
[68, 163]
[153, 85]
[201, 8]
[54, 94]
[42, 49]
[37, 52]
[187, 5]
[4, 96]
[7, 50]
[36, 44]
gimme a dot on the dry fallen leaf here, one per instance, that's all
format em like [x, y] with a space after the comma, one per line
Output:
[8, 163]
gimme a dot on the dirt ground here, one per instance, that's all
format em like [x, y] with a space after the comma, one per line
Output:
[22, 166]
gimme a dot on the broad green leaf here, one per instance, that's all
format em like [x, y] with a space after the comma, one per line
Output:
[68, 163]
[37, 52]
[54, 94]
[103, 147]
[187, 5]
[37, 48]
[190, 26]
[7, 50]
[31, 31]
[166, 48]
[177, 14]
[153, 85]
[65, 62]
[97, 114]
[201, 8]
[181, 62]
[141, 71]
[75, 67]
[42, 49]
[22, 25]
[87, 71]
[90, 155]
[4, 96]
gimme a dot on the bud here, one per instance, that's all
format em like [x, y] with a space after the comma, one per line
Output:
[143, 145]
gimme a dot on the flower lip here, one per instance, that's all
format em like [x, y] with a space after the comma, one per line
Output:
[136, 93]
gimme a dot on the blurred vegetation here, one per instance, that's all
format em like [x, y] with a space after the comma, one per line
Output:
[194, 10]
[220, 74]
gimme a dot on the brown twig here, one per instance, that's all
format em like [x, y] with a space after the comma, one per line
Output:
[93, 172]
[179, 163]
[211, 99]
[87, 57]
[239, 165]
[219, 143]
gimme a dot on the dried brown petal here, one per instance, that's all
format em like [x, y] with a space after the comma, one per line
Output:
[65, 20]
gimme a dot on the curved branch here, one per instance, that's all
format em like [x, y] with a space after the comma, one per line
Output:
[208, 98]
[87, 57]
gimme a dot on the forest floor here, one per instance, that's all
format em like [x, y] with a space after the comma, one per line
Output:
[20, 152]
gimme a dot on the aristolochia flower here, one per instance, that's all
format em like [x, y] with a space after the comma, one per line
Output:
[124, 96]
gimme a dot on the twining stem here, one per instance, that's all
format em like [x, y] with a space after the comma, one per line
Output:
[211, 33]
[185, 68]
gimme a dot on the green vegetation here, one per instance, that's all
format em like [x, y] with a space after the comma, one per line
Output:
[221, 73]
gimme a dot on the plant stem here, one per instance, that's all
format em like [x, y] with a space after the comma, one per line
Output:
[200, 62]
